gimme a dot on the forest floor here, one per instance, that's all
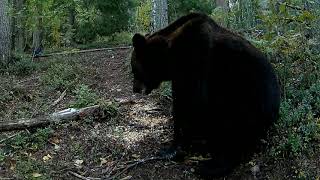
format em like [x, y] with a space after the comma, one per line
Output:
[106, 149]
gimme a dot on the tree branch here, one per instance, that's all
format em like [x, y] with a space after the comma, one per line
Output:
[58, 117]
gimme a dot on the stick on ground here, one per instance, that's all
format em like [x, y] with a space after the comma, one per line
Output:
[138, 162]
[82, 177]
[58, 117]
[63, 94]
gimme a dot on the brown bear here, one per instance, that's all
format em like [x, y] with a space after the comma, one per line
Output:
[225, 92]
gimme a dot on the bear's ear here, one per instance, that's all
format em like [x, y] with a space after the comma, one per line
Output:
[138, 41]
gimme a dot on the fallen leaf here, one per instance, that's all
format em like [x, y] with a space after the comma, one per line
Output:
[78, 163]
[137, 156]
[255, 170]
[56, 147]
[36, 175]
[103, 161]
[251, 163]
[13, 164]
[46, 158]
[199, 158]
[54, 140]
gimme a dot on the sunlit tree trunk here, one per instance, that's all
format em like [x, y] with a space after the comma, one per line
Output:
[13, 24]
[18, 26]
[159, 14]
[223, 3]
[264, 4]
[246, 14]
[21, 27]
[5, 34]
[37, 32]
[71, 23]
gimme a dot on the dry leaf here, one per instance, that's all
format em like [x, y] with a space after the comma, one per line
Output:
[13, 164]
[36, 175]
[103, 161]
[46, 158]
[137, 156]
[199, 158]
[78, 163]
[54, 140]
[56, 147]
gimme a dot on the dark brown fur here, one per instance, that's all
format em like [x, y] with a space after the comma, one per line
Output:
[225, 92]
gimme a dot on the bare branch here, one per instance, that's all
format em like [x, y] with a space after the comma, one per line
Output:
[62, 116]
[136, 163]
[63, 94]
[82, 177]
[84, 51]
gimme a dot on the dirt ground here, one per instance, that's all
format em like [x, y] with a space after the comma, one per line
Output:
[114, 149]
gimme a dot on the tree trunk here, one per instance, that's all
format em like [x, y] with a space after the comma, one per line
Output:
[37, 33]
[20, 33]
[13, 23]
[71, 24]
[264, 4]
[223, 3]
[5, 33]
[36, 36]
[72, 15]
[159, 14]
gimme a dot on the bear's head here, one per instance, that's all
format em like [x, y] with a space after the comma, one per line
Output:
[149, 62]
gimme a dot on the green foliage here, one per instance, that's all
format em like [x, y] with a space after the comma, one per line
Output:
[220, 16]
[116, 39]
[286, 32]
[166, 90]
[102, 18]
[2, 156]
[84, 97]
[86, 29]
[183, 7]
[111, 109]
[143, 16]
[62, 23]
[63, 75]
[285, 37]
[115, 15]
[298, 125]
[22, 67]
[26, 167]
[34, 141]
[10, 91]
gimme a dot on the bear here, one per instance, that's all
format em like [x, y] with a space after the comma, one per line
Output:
[225, 92]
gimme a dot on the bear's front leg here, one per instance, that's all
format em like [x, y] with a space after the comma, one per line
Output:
[176, 149]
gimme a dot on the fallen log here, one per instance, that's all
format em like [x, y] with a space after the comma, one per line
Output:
[57, 117]
[83, 51]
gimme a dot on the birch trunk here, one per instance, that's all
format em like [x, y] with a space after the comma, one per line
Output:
[5, 32]
[159, 14]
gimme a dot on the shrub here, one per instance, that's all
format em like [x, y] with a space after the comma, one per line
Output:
[22, 67]
[84, 97]
[61, 76]
[33, 141]
[110, 108]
